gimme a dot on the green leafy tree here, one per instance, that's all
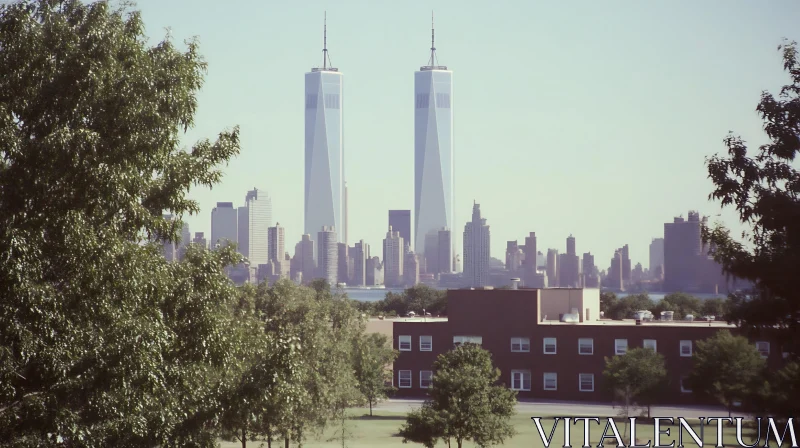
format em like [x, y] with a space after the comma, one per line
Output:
[765, 191]
[103, 342]
[636, 376]
[681, 303]
[465, 402]
[626, 306]
[423, 297]
[727, 368]
[782, 391]
[715, 307]
[608, 300]
[372, 359]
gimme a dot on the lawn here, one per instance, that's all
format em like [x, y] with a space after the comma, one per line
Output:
[381, 431]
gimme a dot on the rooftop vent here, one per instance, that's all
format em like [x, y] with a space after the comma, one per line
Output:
[571, 318]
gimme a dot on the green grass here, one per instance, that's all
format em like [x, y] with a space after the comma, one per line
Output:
[381, 431]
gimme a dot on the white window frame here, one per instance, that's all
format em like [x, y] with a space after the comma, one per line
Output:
[404, 339]
[400, 374]
[522, 374]
[654, 344]
[683, 389]
[465, 339]
[523, 345]
[553, 342]
[684, 344]
[764, 353]
[591, 346]
[422, 340]
[620, 343]
[552, 376]
[581, 377]
[422, 378]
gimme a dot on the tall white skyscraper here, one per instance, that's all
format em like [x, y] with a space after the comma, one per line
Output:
[393, 257]
[224, 219]
[328, 253]
[255, 218]
[476, 249]
[433, 151]
[324, 156]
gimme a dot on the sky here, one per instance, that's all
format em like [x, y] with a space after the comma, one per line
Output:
[590, 118]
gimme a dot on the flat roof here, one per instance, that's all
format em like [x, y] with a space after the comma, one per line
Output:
[593, 323]
[410, 319]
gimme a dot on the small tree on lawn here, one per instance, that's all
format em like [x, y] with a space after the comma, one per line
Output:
[635, 376]
[727, 368]
[371, 356]
[465, 404]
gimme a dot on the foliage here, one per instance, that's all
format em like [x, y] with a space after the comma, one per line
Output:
[416, 299]
[782, 391]
[626, 306]
[715, 307]
[103, 342]
[637, 375]
[608, 300]
[372, 359]
[765, 191]
[465, 402]
[681, 303]
[727, 368]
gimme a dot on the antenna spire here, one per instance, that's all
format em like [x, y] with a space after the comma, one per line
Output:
[325, 41]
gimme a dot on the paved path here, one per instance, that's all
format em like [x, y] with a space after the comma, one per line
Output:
[572, 409]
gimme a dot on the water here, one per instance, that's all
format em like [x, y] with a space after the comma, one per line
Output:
[373, 295]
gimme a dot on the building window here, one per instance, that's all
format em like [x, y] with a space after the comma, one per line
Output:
[549, 346]
[465, 339]
[763, 348]
[550, 381]
[443, 100]
[404, 343]
[586, 382]
[586, 346]
[521, 380]
[520, 344]
[425, 377]
[423, 99]
[620, 346]
[425, 343]
[649, 343]
[311, 101]
[685, 388]
[404, 379]
[686, 348]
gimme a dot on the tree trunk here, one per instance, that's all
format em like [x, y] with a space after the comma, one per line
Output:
[648, 411]
[244, 438]
[286, 442]
[370, 408]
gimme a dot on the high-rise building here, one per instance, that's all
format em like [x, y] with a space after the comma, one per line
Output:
[590, 277]
[431, 253]
[569, 266]
[434, 186]
[476, 249]
[683, 248]
[277, 243]
[346, 214]
[393, 258]
[531, 263]
[443, 246]
[200, 240]
[626, 265]
[614, 278]
[255, 218]
[360, 255]
[308, 265]
[186, 239]
[552, 268]
[400, 221]
[324, 151]
[514, 256]
[374, 270]
[657, 258]
[224, 221]
[411, 269]
[343, 264]
[328, 255]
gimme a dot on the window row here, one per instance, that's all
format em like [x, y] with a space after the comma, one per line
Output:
[521, 381]
[442, 100]
[332, 101]
[549, 345]
[404, 379]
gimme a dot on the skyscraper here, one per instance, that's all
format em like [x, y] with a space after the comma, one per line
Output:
[360, 255]
[277, 243]
[552, 268]
[255, 218]
[531, 262]
[328, 255]
[200, 240]
[569, 266]
[657, 258]
[400, 221]
[444, 247]
[308, 266]
[476, 249]
[324, 152]
[393, 257]
[433, 150]
[224, 221]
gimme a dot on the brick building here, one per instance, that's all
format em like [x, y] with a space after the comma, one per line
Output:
[538, 351]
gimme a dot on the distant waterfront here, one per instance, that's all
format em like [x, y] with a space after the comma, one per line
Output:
[372, 295]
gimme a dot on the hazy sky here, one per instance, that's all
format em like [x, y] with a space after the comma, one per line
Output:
[590, 118]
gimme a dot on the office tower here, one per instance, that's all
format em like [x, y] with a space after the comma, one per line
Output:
[614, 279]
[569, 266]
[476, 249]
[683, 248]
[374, 272]
[552, 268]
[393, 257]
[277, 243]
[531, 263]
[411, 269]
[400, 221]
[433, 151]
[431, 253]
[200, 240]
[307, 264]
[328, 255]
[514, 256]
[590, 278]
[444, 244]
[626, 265]
[243, 231]
[657, 258]
[360, 255]
[324, 155]
[342, 263]
[224, 221]
[255, 218]
[541, 260]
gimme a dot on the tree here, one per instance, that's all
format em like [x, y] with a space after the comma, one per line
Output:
[715, 307]
[626, 306]
[103, 342]
[372, 359]
[765, 191]
[637, 375]
[681, 303]
[465, 402]
[727, 368]
[608, 300]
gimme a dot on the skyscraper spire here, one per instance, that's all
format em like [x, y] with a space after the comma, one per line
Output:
[432, 61]
[325, 57]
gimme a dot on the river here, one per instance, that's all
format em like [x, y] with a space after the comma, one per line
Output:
[372, 295]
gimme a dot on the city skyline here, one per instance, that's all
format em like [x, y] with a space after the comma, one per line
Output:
[518, 129]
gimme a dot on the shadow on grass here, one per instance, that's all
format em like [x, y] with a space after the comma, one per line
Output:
[379, 417]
